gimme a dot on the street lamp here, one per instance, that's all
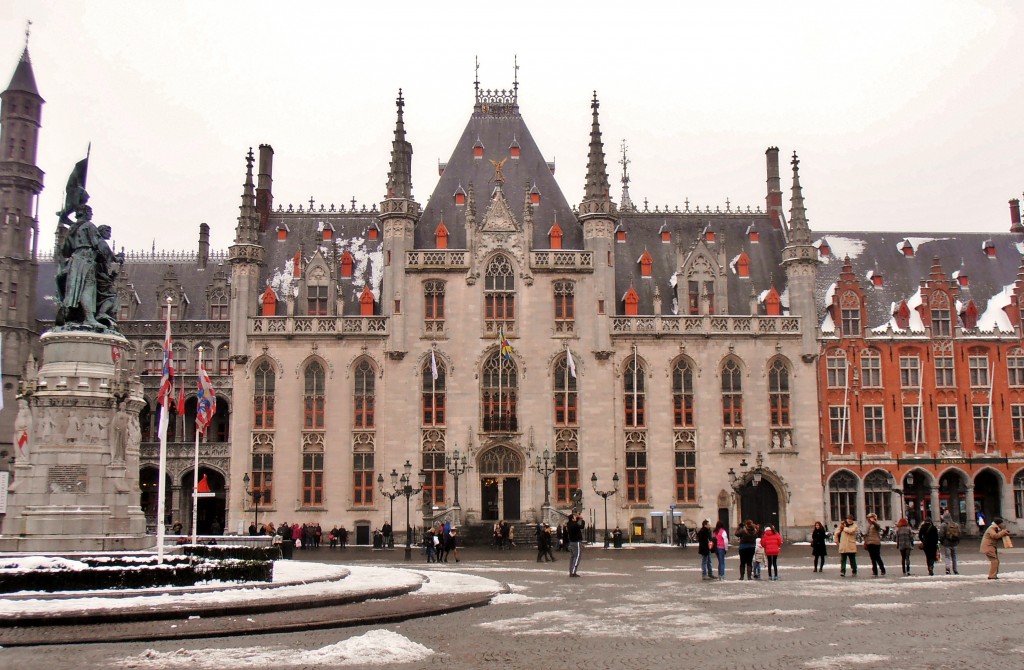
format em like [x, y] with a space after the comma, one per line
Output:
[545, 468]
[390, 495]
[403, 487]
[456, 467]
[256, 495]
[605, 495]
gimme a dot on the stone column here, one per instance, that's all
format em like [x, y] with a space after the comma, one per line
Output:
[972, 522]
[861, 507]
[935, 503]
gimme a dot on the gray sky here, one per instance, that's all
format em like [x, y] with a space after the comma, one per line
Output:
[905, 115]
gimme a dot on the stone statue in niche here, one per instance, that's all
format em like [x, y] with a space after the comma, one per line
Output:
[23, 429]
[121, 433]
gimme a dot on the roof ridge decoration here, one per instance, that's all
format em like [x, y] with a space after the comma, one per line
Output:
[799, 229]
[596, 190]
[24, 79]
[246, 232]
[399, 183]
[504, 102]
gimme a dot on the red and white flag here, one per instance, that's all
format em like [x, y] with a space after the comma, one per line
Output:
[206, 401]
[23, 441]
[181, 399]
[166, 394]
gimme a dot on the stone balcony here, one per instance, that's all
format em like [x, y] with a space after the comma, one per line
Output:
[318, 326]
[706, 325]
[562, 261]
[437, 259]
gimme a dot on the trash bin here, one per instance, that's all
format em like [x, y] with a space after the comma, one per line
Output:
[287, 549]
[617, 539]
[378, 541]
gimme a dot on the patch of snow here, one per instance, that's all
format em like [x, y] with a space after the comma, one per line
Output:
[844, 661]
[882, 606]
[842, 247]
[994, 317]
[367, 268]
[283, 279]
[828, 326]
[376, 647]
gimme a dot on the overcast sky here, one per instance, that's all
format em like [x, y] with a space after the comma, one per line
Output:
[906, 115]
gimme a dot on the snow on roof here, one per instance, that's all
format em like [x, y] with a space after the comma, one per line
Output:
[841, 247]
[828, 326]
[361, 257]
[282, 280]
[994, 317]
[915, 325]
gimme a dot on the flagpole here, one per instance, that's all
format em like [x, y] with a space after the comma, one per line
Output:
[161, 486]
[845, 421]
[501, 368]
[633, 400]
[565, 416]
[988, 420]
[195, 464]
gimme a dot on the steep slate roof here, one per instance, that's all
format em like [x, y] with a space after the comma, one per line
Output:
[497, 133]
[24, 79]
[901, 275]
[643, 231]
[350, 234]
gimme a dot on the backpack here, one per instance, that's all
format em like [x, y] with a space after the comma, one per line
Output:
[953, 533]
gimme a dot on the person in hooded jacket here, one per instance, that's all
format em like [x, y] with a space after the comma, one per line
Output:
[704, 549]
[905, 543]
[873, 543]
[929, 536]
[818, 548]
[746, 536]
[772, 543]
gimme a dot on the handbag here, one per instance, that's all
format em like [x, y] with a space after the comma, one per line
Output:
[1007, 542]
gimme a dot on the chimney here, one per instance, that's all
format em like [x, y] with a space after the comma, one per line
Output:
[204, 245]
[774, 197]
[1015, 225]
[264, 185]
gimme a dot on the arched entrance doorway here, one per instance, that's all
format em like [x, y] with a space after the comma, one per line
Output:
[210, 509]
[987, 495]
[501, 476]
[759, 503]
[953, 495]
[917, 497]
[149, 487]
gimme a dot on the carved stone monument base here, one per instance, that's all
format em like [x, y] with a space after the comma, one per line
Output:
[76, 487]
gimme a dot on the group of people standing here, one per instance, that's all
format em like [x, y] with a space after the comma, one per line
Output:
[440, 541]
[757, 547]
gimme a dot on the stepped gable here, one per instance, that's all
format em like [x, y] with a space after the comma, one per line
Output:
[498, 128]
[732, 232]
[144, 274]
[351, 232]
[881, 253]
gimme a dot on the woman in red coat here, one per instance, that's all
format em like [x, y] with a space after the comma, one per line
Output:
[772, 543]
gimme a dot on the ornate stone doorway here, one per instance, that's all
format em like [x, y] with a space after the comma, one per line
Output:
[759, 503]
[501, 471]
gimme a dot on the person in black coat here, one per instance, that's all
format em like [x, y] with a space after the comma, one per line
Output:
[704, 549]
[929, 536]
[818, 546]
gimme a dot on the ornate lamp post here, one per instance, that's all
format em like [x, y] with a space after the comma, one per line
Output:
[390, 495]
[256, 495]
[403, 487]
[544, 467]
[456, 466]
[605, 495]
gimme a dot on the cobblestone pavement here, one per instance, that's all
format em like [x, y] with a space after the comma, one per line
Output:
[648, 608]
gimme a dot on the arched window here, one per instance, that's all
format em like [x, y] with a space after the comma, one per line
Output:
[850, 314]
[565, 306]
[732, 395]
[499, 392]
[263, 397]
[633, 391]
[1018, 493]
[433, 375]
[218, 306]
[878, 494]
[433, 306]
[842, 496]
[499, 296]
[778, 394]
[682, 394]
[313, 397]
[362, 395]
[835, 369]
[566, 398]
[225, 365]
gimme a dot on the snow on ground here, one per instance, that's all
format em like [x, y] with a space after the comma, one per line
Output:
[376, 647]
[844, 661]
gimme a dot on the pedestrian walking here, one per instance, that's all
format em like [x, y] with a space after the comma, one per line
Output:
[746, 536]
[949, 538]
[772, 543]
[704, 548]
[846, 538]
[905, 543]
[928, 535]
[574, 532]
[873, 543]
[452, 545]
[721, 540]
[990, 545]
[818, 549]
[544, 543]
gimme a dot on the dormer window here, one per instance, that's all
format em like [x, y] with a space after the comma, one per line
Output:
[743, 265]
[907, 248]
[753, 235]
[534, 195]
[709, 235]
[773, 303]
[513, 149]
[328, 234]
[459, 196]
[631, 301]
[645, 264]
[555, 236]
[970, 316]
[297, 264]
[824, 249]
[282, 233]
[346, 264]
[620, 235]
[478, 149]
[268, 303]
[989, 248]
[372, 233]
[961, 279]
[876, 279]
[366, 302]
[441, 236]
[902, 315]
[666, 235]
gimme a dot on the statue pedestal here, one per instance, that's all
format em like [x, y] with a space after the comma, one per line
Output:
[77, 487]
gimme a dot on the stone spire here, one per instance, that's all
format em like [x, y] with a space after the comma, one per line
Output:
[400, 173]
[799, 231]
[596, 191]
[627, 204]
[248, 221]
[24, 80]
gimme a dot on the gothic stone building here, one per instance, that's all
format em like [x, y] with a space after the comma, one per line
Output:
[677, 349]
